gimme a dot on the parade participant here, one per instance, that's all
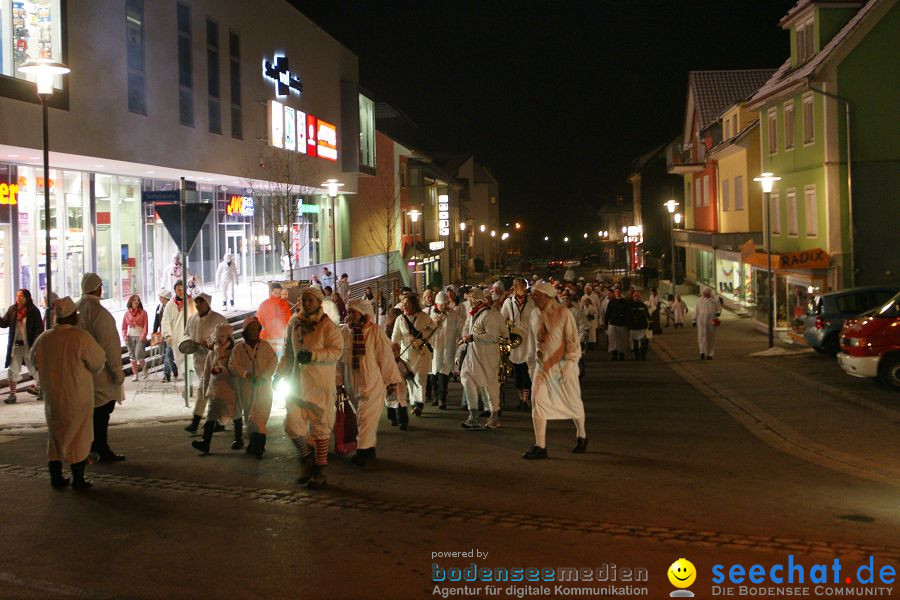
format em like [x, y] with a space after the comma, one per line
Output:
[615, 318]
[707, 315]
[412, 330]
[201, 328]
[517, 311]
[193, 289]
[165, 349]
[555, 393]
[313, 345]
[591, 316]
[580, 325]
[342, 287]
[67, 360]
[638, 322]
[427, 299]
[314, 281]
[134, 331]
[24, 321]
[253, 363]
[400, 294]
[100, 324]
[654, 304]
[274, 314]
[173, 273]
[369, 369]
[226, 277]
[173, 324]
[448, 326]
[480, 369]
[569, 275]
[218, 386]
[679, 311]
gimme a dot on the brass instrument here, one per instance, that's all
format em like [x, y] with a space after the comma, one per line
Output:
[515, 340]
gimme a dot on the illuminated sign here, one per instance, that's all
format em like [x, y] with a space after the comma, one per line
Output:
[327, 134]
[301, 132]
[311, 135]
[241, 206]
[8, 193]
[444, 214]
[285, 81]
[276, 118]
[290, 128]
[306, 208]
[435, 246]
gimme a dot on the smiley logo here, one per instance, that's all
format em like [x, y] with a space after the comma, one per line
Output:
[682, 573]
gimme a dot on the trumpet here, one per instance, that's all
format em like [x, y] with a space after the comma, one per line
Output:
[514, 339]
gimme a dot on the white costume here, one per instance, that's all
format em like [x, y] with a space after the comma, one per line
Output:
[253, 369]
[481, 367]
[201, 329]
[592, 318]
[172, 326]
[226, 277]
[707, 309]
[419, 362]
[581, 324]
[444, 339]
[68, 359]
[521, 319]
[101, 325]
[173, 273]
[679, 311]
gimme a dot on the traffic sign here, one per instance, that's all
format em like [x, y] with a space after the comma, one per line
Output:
[194, 217]
[160, 196]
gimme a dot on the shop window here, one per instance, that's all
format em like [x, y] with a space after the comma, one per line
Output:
[29, 29]
[212, 76]
[773, 130]
[134, 43]
[789, 125]
[725, 198]
[808, 123]
[792, 212]
[234, 72]
[739, 192]
[185, 74]
[811, 211]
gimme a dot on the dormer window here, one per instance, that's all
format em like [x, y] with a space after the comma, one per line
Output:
[805, 41]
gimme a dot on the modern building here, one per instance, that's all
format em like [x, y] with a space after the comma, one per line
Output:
[250, 100]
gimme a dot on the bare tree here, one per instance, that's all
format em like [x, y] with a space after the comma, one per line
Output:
[286, 176]
[384, 219]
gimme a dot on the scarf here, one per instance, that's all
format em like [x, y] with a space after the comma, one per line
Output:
[178, 303]
[21, 313]
[521, 304]
[477, 310]
[308, 323]
[359, 343]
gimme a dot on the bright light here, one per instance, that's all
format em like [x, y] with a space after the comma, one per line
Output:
[546, 238]
[482, 228]
[566, 239]
[599, 234]
[767, 180]
[462, 226]
[670, 205]
[44, 70]
[518, 225]
[281, 393]
[624, 230]
[677, 218]
[493, 233]
[504, 236]
[585, 236]
[332, 186]
[414, 215]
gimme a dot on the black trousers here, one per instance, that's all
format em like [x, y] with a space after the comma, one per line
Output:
[101, 425]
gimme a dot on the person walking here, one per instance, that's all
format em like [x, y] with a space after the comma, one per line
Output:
[592, 319]
[273, 315]
[100, 324]
[638, 322]
[172, 327]
[581, 326]
[342, 287]
[412, 331]
[679, 311]
[480, 369]
[327, 278]
[24, 321]
[670, 300]
[219, 388]
[227, 274]
[201, 329]
[313, 345]
[174, 272]
[654, 304]
[165, 349]
[517, 311]
[68, 359]
[443, 341]
[616, 321]
[253, 362]
[134, 332]
[555, 392]
[707, 316]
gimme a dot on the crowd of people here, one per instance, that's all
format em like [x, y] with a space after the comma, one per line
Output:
[398, 356]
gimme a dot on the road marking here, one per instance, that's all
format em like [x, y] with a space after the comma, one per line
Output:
[334, 501]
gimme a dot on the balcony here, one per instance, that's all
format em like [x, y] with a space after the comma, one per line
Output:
[679, 161]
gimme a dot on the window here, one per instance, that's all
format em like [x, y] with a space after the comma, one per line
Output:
[706, 190]
[809, 39]
[234, 74]
[366, 132]
[805, 41]
[789, 125]
[725, 195]
[808, 123]
[29, 29]
[773, 130]
[811, 210]
[739, 192]
[134, 49]
[212, 76]
[698, 193]
[727, 132]
[185, 75]
[792, 212]
[415, 177]
[775, 216]
[734, 124]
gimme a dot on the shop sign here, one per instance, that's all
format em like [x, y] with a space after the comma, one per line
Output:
[436, 246]
[9, 193]
[806, 259]
[301, 132]
[327, 136]
[444, 215]
[748, 248]
[306, 208]
[241, 206]
[285, 81]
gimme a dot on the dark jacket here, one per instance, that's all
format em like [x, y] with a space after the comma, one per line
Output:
[157, 320]
[616, 312]
[638, 315]
[34, 326]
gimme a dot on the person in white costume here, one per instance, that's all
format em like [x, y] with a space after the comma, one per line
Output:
[67, 360]
[201, 328]
[253, 363]
[172, 325]
[555, 392]
[368, 368]
[412, 331]
[226, 278]
[219, 388]
[481, 366]
[312, 346]
[679, 311]
[707, 314]
[517, 311]
[443, 341]
[174, 272]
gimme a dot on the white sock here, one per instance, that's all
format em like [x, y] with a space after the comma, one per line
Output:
[579, 427]
[540, 431]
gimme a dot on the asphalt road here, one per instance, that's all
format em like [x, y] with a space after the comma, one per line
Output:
[736, 460]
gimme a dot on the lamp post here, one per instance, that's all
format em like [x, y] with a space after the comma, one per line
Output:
[332, 186]
[465, 249]
[44, 70]
[414, 217]
[670, 206]
[767, 180]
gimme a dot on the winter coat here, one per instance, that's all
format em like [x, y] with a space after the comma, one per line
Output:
[173, 325]
[34, 326]
[444, 339]
[638, 315]
[616, 312]
[226, 273]
[273, 315]
[100, 324]
[260, 363]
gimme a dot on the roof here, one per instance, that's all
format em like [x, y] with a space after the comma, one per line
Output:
[714, 91]
[785, 77]
[802, 5]
[743, 133]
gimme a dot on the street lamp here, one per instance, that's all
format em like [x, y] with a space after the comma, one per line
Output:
[44, 71]
[671, 205]
[414, 215]
[465, 251]
[566, 239]
[332, 186]
[767, 181]
[482, 228]
[546, 238]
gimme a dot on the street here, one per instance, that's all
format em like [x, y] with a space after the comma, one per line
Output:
[717, 461]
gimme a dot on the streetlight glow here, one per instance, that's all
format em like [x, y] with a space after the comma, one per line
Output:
[493, 233]
[482, 228]
[518, 225]
[44, 70]
[566, 239]
[504, 236]
[546, 238]
[414, 215]
[462, 226]
[585, 236]
[767, 180]
[670, 205]
[677, 218]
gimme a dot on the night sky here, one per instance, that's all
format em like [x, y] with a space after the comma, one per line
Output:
[557, 98]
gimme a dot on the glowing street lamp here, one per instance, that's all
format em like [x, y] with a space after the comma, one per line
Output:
[767, 181]
[462, 226]
[585, 236]
[518, 225]
[504, 237]
[482, 228]
[546, 238]
[566, 239]
[671, 205]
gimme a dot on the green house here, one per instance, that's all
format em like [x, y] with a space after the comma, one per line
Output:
[834, 99]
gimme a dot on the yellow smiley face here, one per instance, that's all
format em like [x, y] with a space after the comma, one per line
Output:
[682, 573]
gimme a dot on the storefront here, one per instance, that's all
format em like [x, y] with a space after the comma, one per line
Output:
[733, 277]
[794, 285]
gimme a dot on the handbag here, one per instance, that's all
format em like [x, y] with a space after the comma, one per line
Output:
[345, 426]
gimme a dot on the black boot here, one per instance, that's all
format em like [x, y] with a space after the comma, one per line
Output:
[56, 477]
[444, 383]
[362, 456]
[78, 480]
[307, 461]
[392, 416]
[238, 442]
[636, 348]
[251, 443]
[260, 448]
[645, 346]
[403, 417]
[581, 445]
[318, 479]
[613, 356]
[195, 421]
[203, 443]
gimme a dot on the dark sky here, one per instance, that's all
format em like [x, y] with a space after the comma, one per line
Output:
[557, 98]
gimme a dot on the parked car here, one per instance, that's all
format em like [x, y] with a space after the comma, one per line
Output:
[870, 346]
[826, 313]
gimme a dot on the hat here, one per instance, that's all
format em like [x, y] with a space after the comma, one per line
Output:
[164, 293]
[63, 307]
[544, 288]
[90, 282]
[476, 295]
[451, 288]
[363, 307]
[250, 321]
[315, 291]
[224, 330]
[205, 297]
[441, 298]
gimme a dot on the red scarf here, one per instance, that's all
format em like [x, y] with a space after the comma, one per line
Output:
[179, 303]
[477, 310]
[21, 313]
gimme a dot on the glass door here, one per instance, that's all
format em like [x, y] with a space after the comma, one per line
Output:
[5, 264]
